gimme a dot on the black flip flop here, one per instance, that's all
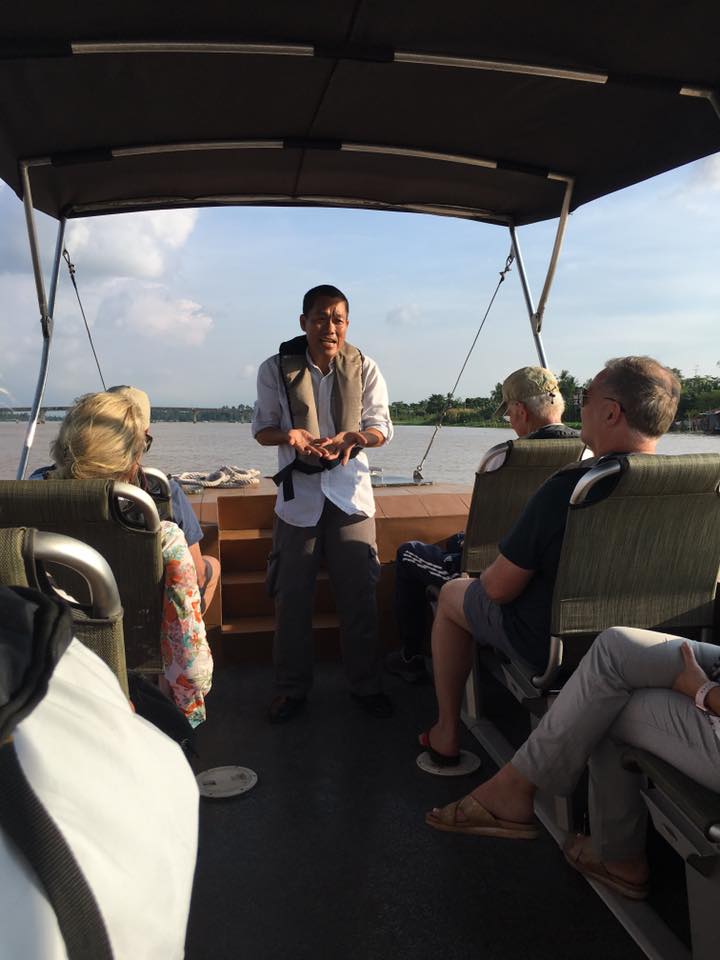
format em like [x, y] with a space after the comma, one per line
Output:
[439, 759]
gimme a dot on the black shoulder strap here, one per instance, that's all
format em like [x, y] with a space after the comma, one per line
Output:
[28, 824]
[294, 348]
[34, 633]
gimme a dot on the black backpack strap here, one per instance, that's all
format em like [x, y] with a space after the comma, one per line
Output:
[285, 478]
[35, 631]
[28, 824]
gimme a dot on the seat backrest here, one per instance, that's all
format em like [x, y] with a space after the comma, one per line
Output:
[645, 555]
[158, 486]
[501, 492]
[92, 511]
[24, 554]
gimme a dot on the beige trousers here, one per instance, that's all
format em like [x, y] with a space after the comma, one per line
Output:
[621, 695]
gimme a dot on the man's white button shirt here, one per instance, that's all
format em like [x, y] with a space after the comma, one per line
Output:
[348, 487]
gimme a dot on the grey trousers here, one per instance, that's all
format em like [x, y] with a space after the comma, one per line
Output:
[620, 695]
[347, 544]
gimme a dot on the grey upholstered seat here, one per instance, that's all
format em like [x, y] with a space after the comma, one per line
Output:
[501, 492]
[24, 555]
[95, 512]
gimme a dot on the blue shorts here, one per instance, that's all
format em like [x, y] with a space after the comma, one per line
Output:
[485, 619]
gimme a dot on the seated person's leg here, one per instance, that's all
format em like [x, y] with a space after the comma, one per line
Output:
[418, 565]
[212, 577]
[621, 691]
[453, 649]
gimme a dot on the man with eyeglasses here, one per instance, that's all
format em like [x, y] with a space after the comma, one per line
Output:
[533, 406]
[628, 406]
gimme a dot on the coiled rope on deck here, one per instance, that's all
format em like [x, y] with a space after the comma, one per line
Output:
[417, 472]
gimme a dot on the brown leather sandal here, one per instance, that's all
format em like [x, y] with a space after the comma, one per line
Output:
[579, 855]
[478, 821]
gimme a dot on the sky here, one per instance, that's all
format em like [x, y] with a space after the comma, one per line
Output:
[187, 303]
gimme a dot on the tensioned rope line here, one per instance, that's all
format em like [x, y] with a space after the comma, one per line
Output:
[71, 271]
[417, 472]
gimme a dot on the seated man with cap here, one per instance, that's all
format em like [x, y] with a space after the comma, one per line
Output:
[533, 405]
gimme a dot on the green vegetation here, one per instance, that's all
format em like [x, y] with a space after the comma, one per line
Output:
[242, 413]
[699, 394]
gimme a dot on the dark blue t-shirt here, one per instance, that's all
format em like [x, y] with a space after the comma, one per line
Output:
[535, 543]
[183, 513]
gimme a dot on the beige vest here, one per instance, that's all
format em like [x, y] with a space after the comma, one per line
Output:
[346, 400]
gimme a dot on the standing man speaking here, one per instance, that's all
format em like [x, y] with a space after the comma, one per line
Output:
[321, 402]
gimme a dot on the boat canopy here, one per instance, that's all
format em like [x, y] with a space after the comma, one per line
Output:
[482, 110]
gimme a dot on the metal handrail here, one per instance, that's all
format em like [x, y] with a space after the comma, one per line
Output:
[492, 453]
[162, 479]
[609, 468]
[542, 681]
[85, 560]
[140, 499]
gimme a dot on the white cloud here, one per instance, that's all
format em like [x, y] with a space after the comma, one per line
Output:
[248, 371]
[706, 175]
[405, 315]
[151, 311]
[139, 245]
[699, 192]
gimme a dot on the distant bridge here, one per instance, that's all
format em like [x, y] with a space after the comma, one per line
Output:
[195, 411]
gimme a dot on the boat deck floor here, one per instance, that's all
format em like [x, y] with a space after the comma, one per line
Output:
[329, 855]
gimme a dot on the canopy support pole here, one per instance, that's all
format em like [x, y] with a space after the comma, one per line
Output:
[536, 316]
[47, 307]
[528, 297]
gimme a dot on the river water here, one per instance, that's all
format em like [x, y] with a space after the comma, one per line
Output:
[205, 446]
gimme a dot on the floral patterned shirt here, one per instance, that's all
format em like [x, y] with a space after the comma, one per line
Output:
[714, 675]
[187, 660]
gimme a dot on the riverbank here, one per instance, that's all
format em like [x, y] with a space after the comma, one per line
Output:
[473, 422]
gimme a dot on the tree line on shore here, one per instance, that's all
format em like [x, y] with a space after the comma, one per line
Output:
[699, 394]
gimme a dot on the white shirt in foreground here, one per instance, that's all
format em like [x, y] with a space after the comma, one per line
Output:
[126, 801]
[348, 487]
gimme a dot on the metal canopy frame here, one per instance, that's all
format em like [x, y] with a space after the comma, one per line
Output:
[337, 52]
[47, 304]
[47, 309]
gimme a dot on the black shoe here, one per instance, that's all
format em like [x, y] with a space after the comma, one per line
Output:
[285, 708]
[412, 670]
[376, 704]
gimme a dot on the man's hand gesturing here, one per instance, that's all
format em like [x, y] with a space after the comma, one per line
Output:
[305, 443]
[341, 445]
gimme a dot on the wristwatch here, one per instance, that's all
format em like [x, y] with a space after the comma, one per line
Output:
[701, 695]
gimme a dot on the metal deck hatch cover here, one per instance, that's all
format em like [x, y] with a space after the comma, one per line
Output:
[461, 108]
[469, 763]
[220, 782]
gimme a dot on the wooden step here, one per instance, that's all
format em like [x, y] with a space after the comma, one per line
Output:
[244, 594]
[255, 625]
[247, 577]
[237, 513]
[256, 533]
[244, 554]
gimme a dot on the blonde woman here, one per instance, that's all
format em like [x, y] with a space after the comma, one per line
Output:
[103, 435]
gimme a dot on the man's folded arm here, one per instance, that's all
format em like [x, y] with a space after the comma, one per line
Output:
[504, 580]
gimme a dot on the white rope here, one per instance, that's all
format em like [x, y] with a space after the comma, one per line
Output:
[225, 476]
